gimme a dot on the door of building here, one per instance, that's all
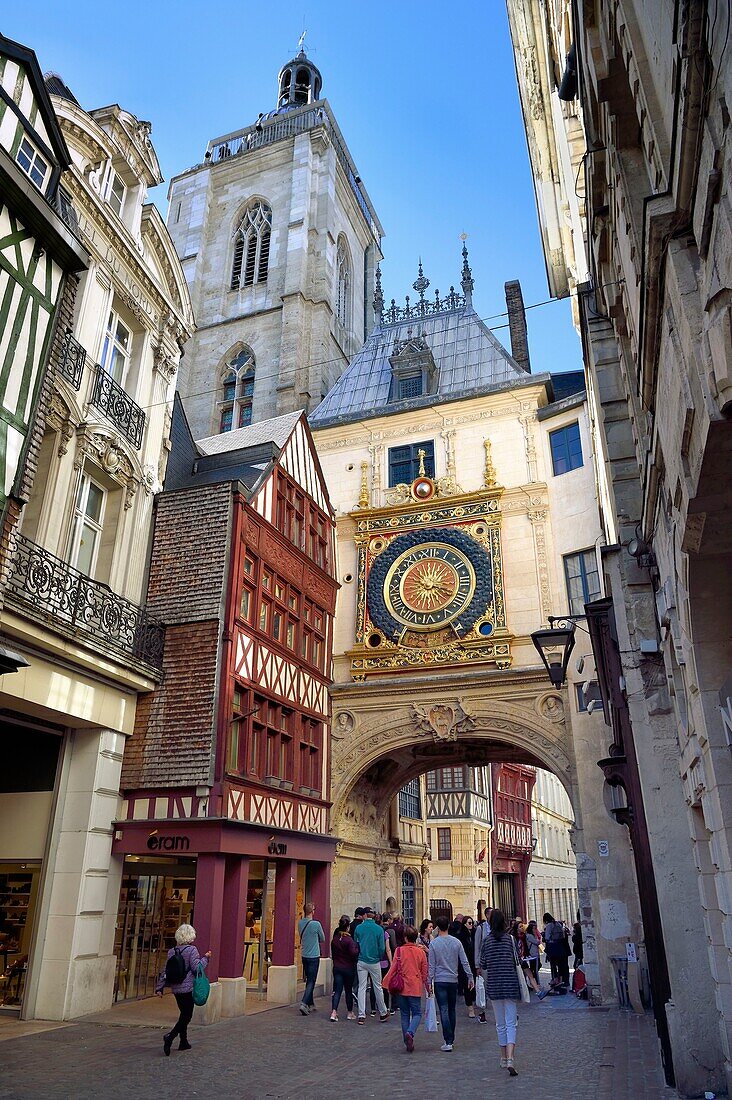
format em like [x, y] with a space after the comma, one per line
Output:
[156, 897]
[503, 895]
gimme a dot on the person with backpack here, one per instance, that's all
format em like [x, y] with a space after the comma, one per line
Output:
[180, 969]
[406, 978]
[311, 936]
[555, 944]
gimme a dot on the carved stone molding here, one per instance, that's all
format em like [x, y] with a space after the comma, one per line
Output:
[443, 721]
[551, 707]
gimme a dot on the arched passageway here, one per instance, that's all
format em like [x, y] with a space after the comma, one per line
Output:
[383, 739]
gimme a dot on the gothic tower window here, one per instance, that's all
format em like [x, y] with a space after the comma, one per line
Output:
[238, 395]
[343, 289]
[251, 249]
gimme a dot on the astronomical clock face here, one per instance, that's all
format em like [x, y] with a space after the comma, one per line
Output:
[426, 581]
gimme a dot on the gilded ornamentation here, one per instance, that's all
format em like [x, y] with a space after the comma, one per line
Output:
[489, 471]
[363, 496]
[443, 721]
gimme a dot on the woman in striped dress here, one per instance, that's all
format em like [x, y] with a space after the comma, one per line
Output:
[498, 962]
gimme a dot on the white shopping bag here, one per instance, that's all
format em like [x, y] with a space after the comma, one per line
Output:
[480, 992]
[430, 1015]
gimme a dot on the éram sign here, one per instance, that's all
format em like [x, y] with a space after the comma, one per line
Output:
[168, 843]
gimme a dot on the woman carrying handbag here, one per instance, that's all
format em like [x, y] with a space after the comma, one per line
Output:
[504, 985]
[408, 978]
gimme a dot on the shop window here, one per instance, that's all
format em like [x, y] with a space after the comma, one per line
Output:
[404, 462]
[583, 580]
[444, 844]
[566, 449]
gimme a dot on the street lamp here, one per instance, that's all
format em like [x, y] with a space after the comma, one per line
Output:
[554, 646]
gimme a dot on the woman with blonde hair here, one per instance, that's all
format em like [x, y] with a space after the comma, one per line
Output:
[179, 971]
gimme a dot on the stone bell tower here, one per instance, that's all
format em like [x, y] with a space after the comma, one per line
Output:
[279, 242]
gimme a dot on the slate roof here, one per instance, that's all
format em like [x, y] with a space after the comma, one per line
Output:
[277, 430]
[468, 357]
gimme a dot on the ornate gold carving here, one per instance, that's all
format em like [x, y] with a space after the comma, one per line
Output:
[444, 721]
[489, 471]
[363, 496]
[421, 455]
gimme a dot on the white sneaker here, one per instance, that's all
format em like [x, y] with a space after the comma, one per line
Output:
[303, 1009]
[446, 1047]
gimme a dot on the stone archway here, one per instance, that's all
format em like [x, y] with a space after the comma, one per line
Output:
[384, 735]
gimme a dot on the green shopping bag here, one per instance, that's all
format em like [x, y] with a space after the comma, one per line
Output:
[201, 987]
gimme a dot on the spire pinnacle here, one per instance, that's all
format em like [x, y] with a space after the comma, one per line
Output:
[467, 280]
[420, 284]
[378, 296]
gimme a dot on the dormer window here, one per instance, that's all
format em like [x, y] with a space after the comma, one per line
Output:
[413, 368]
[32, 163]
[115, 195]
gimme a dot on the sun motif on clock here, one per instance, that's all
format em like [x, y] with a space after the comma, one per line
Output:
[426, 581]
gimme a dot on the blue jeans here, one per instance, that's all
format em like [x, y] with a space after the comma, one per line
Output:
[310, 966]
[411, 1010]
[446, 997]
[342, 982]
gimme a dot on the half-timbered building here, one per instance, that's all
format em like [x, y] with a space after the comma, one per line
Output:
[458, 811]
[39, 250]
[76, 564]
[226, 780]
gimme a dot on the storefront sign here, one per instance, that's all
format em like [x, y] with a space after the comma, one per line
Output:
[168, 843]
[275, 848]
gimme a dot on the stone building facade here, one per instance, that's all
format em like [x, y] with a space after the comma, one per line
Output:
[279, 243]
[626, 109]
[437, 446]
[76, 574]
[551, 885]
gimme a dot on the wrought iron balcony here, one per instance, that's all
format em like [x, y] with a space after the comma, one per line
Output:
[73, 357]
[82, 608]
[118, 407]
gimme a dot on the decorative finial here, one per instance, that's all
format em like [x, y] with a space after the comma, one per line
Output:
[378, 295]
[421, 454]
[301, 41]
[489, 473]
[363, 496]
[467, 280]
[420, 284]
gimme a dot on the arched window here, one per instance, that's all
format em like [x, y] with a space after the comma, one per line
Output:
[251, 250]
[238, 386]
[343, 287]
[409, 891]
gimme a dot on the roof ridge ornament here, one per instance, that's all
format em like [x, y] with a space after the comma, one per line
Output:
[421, 283]
[378, 297]
[466, 282]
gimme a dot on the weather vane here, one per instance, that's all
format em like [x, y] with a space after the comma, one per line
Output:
[301, 39]
[463, 237]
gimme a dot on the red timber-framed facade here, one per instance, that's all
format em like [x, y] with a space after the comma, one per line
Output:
[226, 780]
[512, 785]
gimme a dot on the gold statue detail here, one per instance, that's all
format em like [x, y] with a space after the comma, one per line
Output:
[363, 496]
[421, 455]
[489, 473]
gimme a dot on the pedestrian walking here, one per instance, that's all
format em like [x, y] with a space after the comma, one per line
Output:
[577, 944]
[498, 962]
[391, 1000]
[344, 953]
[180, 969]
[555, 945]
[466, 935]
[311, 935]
[370, 939]
[482, 929]
[523, 948]
[408, 977]
[357, 919]
[424, 939]
[446, 956]
[533, 944]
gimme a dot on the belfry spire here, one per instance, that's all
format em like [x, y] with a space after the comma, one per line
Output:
[466, 282]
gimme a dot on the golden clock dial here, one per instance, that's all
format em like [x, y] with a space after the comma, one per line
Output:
[428, 586]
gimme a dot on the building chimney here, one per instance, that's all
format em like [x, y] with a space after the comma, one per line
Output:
[517, 324]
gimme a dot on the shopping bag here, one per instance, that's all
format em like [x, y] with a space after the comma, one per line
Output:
[480, 992]
[201, 987]
[430, 1015]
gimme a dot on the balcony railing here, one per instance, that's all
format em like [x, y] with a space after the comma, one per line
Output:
[118, 407]
[73, 357]
[67, 211]
[80, 607]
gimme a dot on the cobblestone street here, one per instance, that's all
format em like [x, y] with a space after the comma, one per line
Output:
[565, 1049]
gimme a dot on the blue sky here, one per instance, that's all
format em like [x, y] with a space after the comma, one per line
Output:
[425, 95]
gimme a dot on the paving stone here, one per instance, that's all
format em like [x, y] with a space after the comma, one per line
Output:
[565, 1050]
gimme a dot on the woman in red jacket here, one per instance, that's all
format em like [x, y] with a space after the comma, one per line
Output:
[410, 961]
[344, 953]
